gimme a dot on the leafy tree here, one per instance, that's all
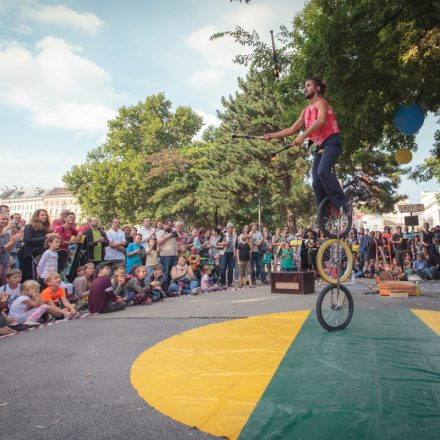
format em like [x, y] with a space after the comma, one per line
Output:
[240, 174]
[118, 177]
[375, 56]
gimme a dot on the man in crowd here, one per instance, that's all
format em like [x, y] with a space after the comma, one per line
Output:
[147, 231]
[400, 245]
[228, 243]
[182, 238]
[59, 221]
[69, 235]
[115, 251]
[169, 249]
[428, 241]
[256, 255]
[96, 242]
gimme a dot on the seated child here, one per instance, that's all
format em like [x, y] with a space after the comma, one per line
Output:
[55, 297]
[28, 308]
[158, 283]
[194, 261]
[136, 290]
[207, 283]
[10, 291]
[118, 284]
[81, 283]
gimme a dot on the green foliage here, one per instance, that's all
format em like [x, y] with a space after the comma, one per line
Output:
[375, 56]
[114, 180]
[240, 173]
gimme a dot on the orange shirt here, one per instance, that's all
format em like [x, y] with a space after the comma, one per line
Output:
[49, 295]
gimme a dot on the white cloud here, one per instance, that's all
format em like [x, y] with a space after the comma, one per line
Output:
[204, 78]
[208, 119]
[61, 15]
[59, 87]
[219, 53]
[21, 170]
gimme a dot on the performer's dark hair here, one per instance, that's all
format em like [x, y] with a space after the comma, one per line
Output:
[318, 83]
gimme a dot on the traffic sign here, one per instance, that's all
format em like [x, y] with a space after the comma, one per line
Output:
[413, 207]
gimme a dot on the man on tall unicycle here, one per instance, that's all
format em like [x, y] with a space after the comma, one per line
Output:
[322, 130]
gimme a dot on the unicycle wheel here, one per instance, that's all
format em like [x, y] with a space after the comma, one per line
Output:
[329, 220]
[334, 307]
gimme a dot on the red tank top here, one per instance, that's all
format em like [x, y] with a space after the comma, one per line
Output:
[330, 127]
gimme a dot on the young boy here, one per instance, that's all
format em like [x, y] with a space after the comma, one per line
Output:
[157, 282]
[296, 259]
[55, 297]
[136, 290]
[11, 290]
[244, 260]
[101, 296]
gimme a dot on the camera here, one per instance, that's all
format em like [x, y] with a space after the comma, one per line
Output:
[175, 234]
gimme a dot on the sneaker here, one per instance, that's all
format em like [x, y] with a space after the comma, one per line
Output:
[196, 291]
[30, 323]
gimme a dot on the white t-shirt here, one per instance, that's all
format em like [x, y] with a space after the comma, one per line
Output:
[18, 308]
[205, 281]
[146, 233]
[117, 237]
[12, 293]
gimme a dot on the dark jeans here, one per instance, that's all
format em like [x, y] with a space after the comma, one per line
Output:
[325, 184]
[400, 257]
[312, 260]
[114, 307]
[168, 262]
[227, 262]
[257, 267]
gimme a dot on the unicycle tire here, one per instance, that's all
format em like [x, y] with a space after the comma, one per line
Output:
[329, 218]
[327, 262]
[334, 310]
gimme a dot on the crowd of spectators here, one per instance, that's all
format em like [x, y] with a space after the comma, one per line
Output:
[128, 265]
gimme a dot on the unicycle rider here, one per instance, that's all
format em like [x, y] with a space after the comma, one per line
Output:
[321, 128]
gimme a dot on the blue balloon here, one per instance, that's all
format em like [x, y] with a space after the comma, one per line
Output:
[409, 120]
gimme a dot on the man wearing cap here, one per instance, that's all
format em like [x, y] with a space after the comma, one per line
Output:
[228, 243]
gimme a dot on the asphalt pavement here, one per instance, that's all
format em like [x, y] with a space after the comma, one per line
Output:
[72, 380]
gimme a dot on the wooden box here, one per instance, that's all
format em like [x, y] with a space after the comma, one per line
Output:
[293, 282]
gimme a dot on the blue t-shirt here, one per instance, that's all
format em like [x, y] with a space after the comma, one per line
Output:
[133, 259]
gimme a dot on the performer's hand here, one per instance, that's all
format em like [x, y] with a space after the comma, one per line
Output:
[299, 140]
[267, 137]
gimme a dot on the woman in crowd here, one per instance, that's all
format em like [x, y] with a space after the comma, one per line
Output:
[183, 279]
[8, 239]
[34, 237]
[276, 241]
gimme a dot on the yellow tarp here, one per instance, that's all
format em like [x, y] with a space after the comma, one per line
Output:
[212, 377]
[430, 317]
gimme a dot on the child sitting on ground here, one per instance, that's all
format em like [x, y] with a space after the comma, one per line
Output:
[156, 280]
[82, 282]
[207, 282]
[11, 290]
[55, 297]
[194, 261]
[136, 290]
[28, 308]
[118, 284]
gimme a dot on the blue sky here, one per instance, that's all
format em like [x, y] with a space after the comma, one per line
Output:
[66, 67]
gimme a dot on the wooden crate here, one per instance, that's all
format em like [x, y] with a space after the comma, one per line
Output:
[298, 283]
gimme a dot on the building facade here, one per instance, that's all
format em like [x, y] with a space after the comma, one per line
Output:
[27, 201]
